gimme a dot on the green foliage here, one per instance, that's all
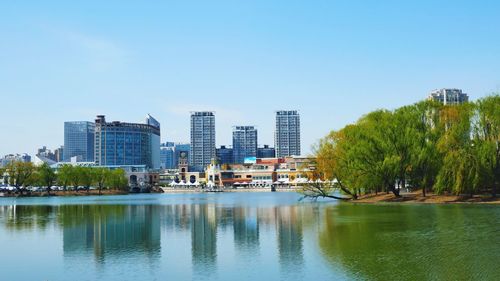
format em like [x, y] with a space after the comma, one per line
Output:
[21, 174]
[46, 176]
[65, 176]
[117, 180]
[100, 176]
[452, 149]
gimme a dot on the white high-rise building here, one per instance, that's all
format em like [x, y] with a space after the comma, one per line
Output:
[449, 96]
[202, 139]
[287, 134]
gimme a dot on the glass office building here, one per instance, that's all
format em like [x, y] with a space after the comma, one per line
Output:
[244, 143]
[118, 143]
[79, 141]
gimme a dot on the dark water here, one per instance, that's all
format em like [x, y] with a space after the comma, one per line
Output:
[244, 236]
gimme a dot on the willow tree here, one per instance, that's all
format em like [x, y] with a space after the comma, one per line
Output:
[333, 163]
[65, 176]
[460, 170]
[2, 174]
[46, 176]
[100, 175]
[425, 157]
[85, 176]
[117, 179]
[487, 139]
[21, 174]
[376, 154]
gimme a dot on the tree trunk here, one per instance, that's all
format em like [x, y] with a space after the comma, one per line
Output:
[423, 190]
[394, 190]
[494, 190]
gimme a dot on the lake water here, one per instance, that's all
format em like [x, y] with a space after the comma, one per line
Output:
[244, 236]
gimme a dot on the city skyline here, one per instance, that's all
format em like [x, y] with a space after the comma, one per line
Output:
[333, 61]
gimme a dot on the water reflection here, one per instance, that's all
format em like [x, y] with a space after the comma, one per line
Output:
[289, 223]
[276, 241]
[413, 242]
[110, 230]
[246, 230]
[204, 240]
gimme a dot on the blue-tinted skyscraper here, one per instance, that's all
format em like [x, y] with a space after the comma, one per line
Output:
[244, 143]
[118, 143]
[167, 156]
[225, 155]
[266, 152]
[79, 141]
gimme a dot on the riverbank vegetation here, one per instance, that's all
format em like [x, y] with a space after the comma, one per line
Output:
[24, 176]
[451, 150]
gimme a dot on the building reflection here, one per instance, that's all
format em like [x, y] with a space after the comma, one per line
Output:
[246, 229]
[203, 239]
[111, 231]
[290, 238]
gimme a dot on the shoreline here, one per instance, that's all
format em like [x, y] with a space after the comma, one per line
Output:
[415, 197]
[231, 190]
[60, 193]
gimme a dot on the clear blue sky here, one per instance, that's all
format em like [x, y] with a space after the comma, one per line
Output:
[332, 60]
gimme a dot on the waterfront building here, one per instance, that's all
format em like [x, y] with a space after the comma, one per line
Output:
[79, 141]
[170, 153]
[244, 143]
[181, 149]
[202, 139]
[449, 96]
[119, 143]
[287, 134]
[225, 155]
[266, 172]
[266, 152]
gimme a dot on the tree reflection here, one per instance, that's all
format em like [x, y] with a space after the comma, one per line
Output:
[406, 243]
[19, 217]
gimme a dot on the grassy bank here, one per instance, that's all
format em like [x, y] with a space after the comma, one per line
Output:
[416, 197]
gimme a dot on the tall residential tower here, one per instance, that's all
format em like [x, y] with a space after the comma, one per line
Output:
[287, 134]
[244, 143]
[449, 96]
[202, 139]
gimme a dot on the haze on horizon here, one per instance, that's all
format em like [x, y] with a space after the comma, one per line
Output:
[332, 60]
